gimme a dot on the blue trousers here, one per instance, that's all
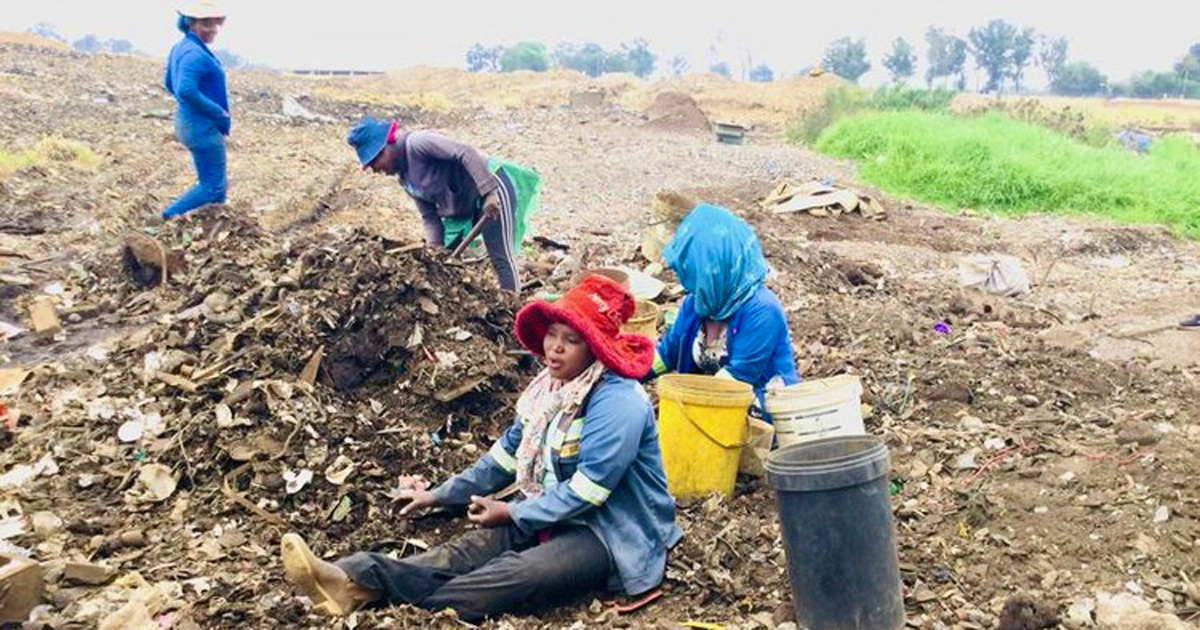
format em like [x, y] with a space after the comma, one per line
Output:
[488, 572]
[208, 155]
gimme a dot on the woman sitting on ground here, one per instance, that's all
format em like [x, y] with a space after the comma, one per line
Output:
[593, 511]
[730, 324]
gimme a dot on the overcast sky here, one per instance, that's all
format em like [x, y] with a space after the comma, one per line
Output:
[1118, 36]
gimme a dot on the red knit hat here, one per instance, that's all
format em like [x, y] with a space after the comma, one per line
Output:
[595, 308]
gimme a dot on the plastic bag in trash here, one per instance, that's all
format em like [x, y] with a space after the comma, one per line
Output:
[994, 273]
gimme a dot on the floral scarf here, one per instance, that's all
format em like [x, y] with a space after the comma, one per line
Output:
[542, 402]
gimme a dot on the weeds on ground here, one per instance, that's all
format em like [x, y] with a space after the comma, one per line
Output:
[51, 149]
[995, 163]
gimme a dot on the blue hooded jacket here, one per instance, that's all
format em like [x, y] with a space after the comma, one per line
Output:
[196, 79]
[720, 263]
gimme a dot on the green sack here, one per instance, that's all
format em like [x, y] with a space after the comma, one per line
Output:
[528, 187]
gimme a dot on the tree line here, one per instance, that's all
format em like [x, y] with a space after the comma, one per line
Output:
[1001, 52]
[92, 44]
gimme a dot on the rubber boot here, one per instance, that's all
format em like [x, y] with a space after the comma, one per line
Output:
[332, 591]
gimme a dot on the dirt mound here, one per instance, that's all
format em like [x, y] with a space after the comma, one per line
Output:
[331, 359]
[676, 110]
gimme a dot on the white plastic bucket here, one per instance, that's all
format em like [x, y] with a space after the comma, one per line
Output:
[820, 408]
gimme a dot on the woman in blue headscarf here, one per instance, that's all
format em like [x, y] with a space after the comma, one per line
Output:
[197, 81]
[730, 324]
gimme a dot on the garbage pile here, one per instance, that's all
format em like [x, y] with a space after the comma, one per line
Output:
[263, 385]
[821, 199]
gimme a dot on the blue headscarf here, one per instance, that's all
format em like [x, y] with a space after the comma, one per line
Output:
[184, 24]
[718, 260]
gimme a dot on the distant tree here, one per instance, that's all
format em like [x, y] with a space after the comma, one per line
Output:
[589, 58]
[229, 59]
[989, 47]
[847, 58]
[47, 31]
[935, 55]
[1052, 56]
[1019, 55]
[901, 62]
[721, 69]
[617, 61]
[525, 56]
[641, 59]
[1188, 66]
[1079, 78]
[89, 44]
[1151, 84]
[679, 65]
[762, 73]
[121, 46]
[482, 58]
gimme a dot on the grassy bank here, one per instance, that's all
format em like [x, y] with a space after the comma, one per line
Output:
[997, 164]
[47, 150]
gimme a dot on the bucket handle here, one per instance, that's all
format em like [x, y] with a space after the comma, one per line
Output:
[708, 435]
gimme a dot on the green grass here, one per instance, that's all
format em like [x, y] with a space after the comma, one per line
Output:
[997, 164]
[49, 149]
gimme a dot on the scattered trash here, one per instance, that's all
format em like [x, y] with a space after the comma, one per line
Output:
[822, 200]
[12, 520]
[1162, 514]
[293, 109]
[342, 509]
[158, 481]
[87, 573]
[730, 133]
[22, 586]
[942, 328]
[9, 331]
[996, 274]
[44, 317]
[11, 379]
[339, 470]
[1126, 610]
[296, 480]
[23, 473]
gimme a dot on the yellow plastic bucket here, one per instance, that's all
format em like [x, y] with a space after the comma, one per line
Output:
[644, 320]
[701, 429]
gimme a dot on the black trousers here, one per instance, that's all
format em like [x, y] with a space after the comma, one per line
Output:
[488, 572]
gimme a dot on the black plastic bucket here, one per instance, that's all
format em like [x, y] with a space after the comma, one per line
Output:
[838, 533]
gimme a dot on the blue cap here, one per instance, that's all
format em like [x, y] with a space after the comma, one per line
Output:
[368, 139]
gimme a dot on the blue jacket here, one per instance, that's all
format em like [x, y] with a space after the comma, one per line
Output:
[612, 481]
[757, 339]
[197, 81]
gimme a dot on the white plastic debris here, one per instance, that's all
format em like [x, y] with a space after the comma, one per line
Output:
[296, 480]
[993, 273]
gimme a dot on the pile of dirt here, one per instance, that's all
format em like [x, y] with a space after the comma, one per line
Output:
[279, 385]
[676, 110]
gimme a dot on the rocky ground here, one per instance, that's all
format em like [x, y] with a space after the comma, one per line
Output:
[302, 354]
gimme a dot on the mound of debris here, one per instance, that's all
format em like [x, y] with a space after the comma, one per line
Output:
[676, 110]
[285, 386]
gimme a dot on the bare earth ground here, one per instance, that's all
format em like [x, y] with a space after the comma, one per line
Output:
[1044, 448]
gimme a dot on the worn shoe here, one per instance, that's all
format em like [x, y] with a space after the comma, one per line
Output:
[332, 591]
[1191, 323]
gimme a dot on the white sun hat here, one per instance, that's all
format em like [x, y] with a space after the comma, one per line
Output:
[200, 9]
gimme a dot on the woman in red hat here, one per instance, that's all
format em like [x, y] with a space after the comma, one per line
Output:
[592, 511]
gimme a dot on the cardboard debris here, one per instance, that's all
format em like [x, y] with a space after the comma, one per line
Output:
[21, 584]
[44, 317]
[822, 200]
